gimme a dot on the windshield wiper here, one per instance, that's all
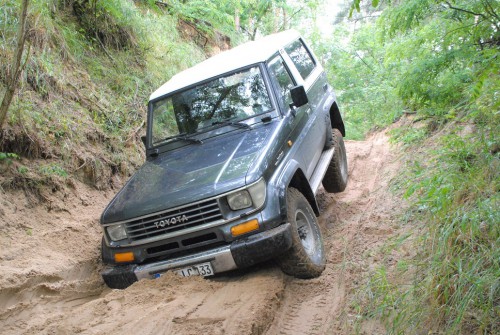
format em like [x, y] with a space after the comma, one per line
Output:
[236, 124]
[182, 136]
[189, 139]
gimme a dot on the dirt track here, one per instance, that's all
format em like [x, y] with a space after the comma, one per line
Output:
[50, 283]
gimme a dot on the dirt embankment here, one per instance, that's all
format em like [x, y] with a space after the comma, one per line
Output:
[50, 283]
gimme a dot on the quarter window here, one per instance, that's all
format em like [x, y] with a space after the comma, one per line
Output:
[301, 58]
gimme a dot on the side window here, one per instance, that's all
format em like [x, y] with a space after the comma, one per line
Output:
[282, 78]
[301, 58]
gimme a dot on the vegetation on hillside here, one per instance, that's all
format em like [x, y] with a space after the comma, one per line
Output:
[438, 60]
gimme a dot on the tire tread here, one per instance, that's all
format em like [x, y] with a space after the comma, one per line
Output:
[296, 262]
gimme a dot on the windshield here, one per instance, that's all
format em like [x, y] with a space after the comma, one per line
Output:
[233, 97]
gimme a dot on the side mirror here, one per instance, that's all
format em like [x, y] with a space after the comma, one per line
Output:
[299, 96]
[143, 139]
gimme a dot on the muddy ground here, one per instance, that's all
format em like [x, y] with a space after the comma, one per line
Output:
[50, 282]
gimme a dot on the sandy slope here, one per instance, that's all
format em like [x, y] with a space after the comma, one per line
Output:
[50, 283]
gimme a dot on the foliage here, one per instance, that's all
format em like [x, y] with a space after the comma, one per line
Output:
[408, 136]
[109, 23]
[364, 83]
[208, 16]
[243, 19]
[442, 61]
[261, 17]
[53, 169]
[448, 49]
[6, 157]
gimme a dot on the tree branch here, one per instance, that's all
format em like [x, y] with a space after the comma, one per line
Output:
[368, 66]
[356, 19]
[290, 17]
[489, 19]
[16, 67]
[489, 8]
[465, 10]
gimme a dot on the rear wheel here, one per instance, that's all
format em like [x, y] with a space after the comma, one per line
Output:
[335, 179]
[306, 258]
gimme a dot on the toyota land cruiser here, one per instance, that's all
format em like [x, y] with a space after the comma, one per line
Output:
[237, 147]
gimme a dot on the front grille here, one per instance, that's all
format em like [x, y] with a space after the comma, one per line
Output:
[189, 242]
[199, 239]
[168, 222]
[163, 248]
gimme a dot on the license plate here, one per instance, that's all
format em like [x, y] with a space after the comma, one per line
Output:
[203, 269]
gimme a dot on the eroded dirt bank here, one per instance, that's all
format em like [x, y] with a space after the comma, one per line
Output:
[50, 283]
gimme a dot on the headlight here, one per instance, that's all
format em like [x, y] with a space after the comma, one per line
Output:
[239, 200]
[255, 195]
[117, 232]
[258, 193]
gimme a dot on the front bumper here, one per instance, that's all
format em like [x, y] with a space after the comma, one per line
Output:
[241, 253]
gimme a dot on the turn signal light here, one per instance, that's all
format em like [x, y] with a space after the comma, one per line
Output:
[245, 228]
[124, 257]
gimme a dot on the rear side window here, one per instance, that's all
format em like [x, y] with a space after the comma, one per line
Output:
[301, 58]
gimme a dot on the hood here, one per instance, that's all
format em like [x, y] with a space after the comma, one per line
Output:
[189, 174]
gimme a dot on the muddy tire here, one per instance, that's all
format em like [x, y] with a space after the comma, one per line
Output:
[306, 258]
[335, 179]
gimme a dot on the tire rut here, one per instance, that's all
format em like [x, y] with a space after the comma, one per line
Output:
[354, 225]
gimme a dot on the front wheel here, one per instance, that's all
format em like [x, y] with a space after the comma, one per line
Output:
[306, 258]
[335, 179]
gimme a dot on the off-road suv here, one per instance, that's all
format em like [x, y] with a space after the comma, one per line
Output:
[237, 147]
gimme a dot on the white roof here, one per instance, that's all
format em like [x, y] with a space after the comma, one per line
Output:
[233, 59]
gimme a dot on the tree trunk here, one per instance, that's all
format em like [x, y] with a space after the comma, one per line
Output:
[237, 19]
[16, 65]
[284, 19]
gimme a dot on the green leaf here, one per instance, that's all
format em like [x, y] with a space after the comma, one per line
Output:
[375, 3]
